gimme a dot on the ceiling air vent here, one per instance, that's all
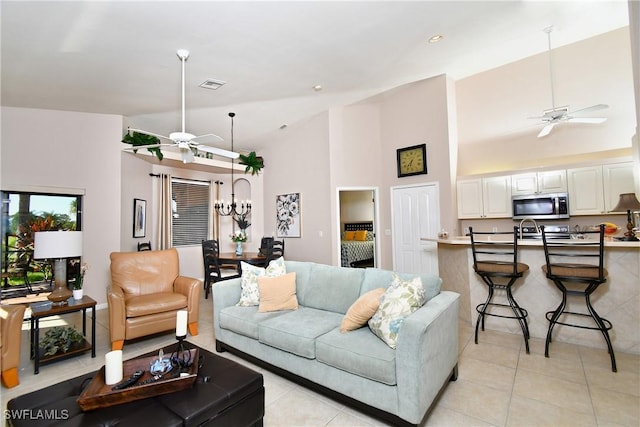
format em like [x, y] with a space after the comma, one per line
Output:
[212, 84]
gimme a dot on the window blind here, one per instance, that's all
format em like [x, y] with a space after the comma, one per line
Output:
[190, 212]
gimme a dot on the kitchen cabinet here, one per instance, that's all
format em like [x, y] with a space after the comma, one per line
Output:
[539, 182]
[484, 197]
[594, 190]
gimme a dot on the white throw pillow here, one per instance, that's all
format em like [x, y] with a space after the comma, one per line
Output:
[399, 300]
[250, 293]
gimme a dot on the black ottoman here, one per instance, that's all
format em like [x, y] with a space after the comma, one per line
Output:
[225, 394]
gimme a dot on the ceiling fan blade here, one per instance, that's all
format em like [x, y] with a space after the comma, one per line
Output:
[150, 134]
[209, 137]
[218, 151]
[546, 130]
[590, 120]
[592, 108]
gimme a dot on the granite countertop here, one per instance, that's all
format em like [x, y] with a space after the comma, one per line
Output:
[465, 240]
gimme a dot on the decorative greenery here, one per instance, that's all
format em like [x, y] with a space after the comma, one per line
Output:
[59, 339]
[238, 236]
[242, 222]
[138, 139]
[77, 284]
[252, 162]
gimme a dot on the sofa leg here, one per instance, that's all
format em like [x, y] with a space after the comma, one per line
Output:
[193, 328]
[219, 347]
[454, 373]
[10, 378]
[117, 345]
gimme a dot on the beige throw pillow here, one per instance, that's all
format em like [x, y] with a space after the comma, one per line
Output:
[361, 310]
[277, 293]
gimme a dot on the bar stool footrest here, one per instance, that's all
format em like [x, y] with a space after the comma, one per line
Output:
[480, 307]
[606, 322]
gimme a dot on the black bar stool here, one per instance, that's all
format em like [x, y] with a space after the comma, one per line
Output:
[576, 267]
[495, 258]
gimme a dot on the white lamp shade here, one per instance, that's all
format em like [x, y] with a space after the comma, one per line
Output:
[57, 244]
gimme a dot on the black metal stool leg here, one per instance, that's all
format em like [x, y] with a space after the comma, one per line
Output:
[481, 313]
[552, 321]
[603, 328]
[520, 314]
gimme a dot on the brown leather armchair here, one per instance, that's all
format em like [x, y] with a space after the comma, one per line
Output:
[11, 317]
[145, 293]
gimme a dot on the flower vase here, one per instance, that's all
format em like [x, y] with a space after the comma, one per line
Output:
[78, 294]
[238, 248]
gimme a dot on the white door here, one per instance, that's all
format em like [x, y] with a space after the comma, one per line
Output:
[415, 214]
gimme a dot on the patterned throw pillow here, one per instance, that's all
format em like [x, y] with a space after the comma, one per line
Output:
[400, 300]
[250, 293]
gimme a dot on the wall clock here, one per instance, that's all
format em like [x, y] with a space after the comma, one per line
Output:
[412, 160]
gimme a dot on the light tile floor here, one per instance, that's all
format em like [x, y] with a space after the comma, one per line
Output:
[498, 384]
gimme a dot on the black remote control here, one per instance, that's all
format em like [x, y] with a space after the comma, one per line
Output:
[130, 381]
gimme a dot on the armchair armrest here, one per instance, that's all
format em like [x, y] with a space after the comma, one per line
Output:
[427, 353]
[11, 331]
[117, 313]
[190, 287]
[225, 294]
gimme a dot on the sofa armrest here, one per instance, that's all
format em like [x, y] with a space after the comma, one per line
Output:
[117, 313]
[226, 293]
[189, 287]
[427, 353]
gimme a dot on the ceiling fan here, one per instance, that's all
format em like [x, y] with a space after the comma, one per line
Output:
[556, 115]
[183, 140]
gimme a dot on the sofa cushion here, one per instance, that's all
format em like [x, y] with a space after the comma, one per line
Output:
[160, 302]
[400, 300]
[359, 352]
[250, 294]
[362, 310]
[244, 320]
[296, 331]
[377, 278]
[332, 288]
[277, 293]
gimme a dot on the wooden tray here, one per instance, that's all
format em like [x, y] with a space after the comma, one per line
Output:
[99, 395]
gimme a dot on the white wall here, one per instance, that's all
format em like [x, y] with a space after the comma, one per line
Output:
[46, 148]
[593, 71]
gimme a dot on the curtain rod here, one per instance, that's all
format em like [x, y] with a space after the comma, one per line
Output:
[156, 175]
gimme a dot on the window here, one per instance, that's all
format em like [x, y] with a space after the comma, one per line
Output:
[190, 212]
[24, 213]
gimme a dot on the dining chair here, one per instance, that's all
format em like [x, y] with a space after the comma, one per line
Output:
[212, 269]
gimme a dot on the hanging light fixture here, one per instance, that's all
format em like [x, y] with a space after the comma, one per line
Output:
[232, 208]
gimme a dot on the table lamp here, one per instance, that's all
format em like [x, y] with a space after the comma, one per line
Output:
[58, 245]
[628, 202]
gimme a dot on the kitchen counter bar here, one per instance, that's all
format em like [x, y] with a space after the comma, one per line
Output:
[617, 300]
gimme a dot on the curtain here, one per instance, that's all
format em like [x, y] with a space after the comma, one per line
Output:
[165, 213]
[214, 224]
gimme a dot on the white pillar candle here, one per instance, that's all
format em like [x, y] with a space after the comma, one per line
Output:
[181, 323]
[113, 367]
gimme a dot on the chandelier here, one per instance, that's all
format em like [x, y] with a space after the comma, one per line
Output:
[237, 211]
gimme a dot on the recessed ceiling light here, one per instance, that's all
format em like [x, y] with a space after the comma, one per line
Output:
[317, 88]
[436, 38]
[212, 84]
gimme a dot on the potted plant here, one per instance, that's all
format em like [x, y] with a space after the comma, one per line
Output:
[139, 140]
[59, 339]
[252, 161]
[78, 293]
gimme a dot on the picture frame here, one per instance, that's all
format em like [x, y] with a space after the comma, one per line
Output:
[288, 216]
[412, 160]
[139, 218]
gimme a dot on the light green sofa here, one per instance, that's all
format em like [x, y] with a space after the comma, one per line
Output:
[306, 344]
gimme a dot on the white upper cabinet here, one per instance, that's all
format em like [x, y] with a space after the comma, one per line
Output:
[617, 179]
[539, 182]
[595, 190]
[484, 197]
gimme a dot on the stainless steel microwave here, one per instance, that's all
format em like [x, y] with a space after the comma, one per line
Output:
[541, 206]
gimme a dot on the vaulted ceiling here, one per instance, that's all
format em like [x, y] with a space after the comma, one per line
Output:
[119, 57]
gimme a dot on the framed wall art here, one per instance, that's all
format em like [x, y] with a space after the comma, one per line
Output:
[288, 215]
[139, 217]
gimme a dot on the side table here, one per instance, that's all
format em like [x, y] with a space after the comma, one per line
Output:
[38, 312]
